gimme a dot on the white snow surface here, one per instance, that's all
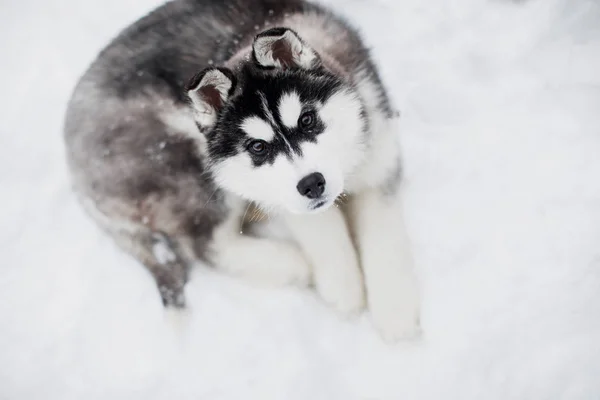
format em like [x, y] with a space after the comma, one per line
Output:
[500, 109]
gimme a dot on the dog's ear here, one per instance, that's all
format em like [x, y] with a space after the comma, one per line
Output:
[209, 90]
[283, 48]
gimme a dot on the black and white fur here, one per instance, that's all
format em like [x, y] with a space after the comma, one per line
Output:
[204, 107]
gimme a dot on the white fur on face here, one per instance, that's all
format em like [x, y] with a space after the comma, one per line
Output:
[258, 128]
[269, 186]
[339, 149]
[290, 108]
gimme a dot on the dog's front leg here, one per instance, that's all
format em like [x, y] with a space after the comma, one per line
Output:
[326, 243]
[387, 263]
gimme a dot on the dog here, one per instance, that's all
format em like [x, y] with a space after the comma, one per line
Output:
[205, 109]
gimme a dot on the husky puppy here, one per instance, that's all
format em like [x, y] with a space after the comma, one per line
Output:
[283, 109]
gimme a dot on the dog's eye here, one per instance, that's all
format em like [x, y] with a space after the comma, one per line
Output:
[307, 120]
[258, 147]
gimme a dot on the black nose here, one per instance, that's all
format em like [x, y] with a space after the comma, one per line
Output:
[312, 186]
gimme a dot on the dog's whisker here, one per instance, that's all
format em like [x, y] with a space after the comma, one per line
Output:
[244, 218]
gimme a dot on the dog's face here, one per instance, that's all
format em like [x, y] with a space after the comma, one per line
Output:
[281, 131]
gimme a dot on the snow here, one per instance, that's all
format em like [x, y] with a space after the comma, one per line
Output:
[500, 109]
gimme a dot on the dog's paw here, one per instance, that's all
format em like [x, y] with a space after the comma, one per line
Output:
[294, 272]
[396, 314]
[177, 318]
[344, 292]
[284, 266]
[394, 326]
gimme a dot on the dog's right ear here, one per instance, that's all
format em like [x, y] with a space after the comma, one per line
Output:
[209, 90]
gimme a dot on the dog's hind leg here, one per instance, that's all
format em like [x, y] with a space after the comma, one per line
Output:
[163, 257]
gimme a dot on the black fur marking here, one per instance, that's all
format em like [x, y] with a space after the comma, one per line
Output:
[277, 31]
[227, 138]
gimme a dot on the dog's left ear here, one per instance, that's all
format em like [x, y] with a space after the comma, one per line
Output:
[283, 48]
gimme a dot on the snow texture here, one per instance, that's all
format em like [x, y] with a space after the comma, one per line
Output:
[500, 109]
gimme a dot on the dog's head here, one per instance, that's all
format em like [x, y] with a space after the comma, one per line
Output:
[282, 131]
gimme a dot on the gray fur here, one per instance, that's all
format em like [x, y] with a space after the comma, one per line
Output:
[133, 150]
[392, 184]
